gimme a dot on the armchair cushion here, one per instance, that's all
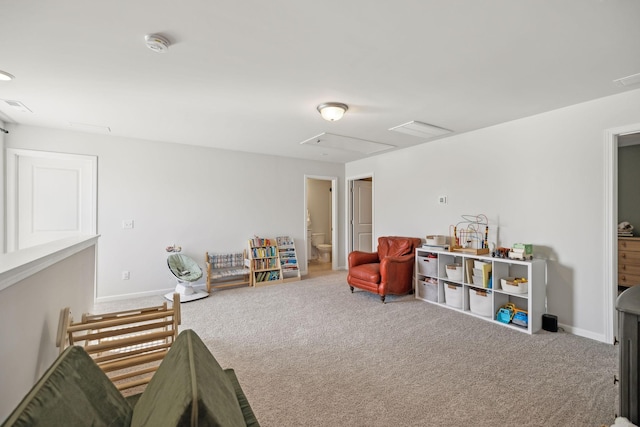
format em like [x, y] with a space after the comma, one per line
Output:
[394, 246]
[367, 272]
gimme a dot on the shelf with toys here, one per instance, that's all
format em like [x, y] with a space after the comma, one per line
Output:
[508, 292]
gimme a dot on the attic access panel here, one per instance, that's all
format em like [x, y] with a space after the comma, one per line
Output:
[347, 143]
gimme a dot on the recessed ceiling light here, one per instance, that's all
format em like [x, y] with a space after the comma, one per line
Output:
[5, 77]
[420, 129]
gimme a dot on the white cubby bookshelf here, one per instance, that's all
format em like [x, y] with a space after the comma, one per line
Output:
[432, 285]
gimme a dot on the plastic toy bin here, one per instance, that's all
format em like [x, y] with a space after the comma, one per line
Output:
[453, 295]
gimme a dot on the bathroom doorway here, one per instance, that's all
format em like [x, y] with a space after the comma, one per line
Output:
[320, 223]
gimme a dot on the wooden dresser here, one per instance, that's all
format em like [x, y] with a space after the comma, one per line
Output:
[628, 261]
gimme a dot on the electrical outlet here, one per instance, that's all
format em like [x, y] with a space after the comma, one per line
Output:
[125, 275]
[127, 223]
[442, 200]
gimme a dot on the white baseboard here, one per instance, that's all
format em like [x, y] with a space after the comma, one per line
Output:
[157, 292]
[583, 333]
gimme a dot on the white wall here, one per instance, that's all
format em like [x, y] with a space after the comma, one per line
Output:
[29, 317]
[540, 180]
[200, 198]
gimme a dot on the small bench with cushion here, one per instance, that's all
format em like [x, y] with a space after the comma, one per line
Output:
[227, 269]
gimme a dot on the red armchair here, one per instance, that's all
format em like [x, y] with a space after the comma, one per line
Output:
[386, 272]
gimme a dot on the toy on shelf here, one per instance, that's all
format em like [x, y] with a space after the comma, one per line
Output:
[470, 235]
[509, 313]
[500, 252]
[505, 313]
[522, 251]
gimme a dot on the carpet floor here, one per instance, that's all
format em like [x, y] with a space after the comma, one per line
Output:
[310, 353]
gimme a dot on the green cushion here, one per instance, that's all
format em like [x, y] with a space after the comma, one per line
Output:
[189, 389]
[72, 392]
[184, 268]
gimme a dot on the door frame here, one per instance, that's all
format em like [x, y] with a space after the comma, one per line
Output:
[349, 217]
[334, 219]
[610, 226]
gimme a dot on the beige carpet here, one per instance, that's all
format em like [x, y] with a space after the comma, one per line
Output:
[310, 353]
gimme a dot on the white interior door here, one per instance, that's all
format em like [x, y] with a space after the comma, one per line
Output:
[50, 196]
[362, 211]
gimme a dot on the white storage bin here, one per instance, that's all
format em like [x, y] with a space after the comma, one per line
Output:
[436, 240]
[454, 271]
[453, 295]
[480, 303]
[514, 285]
[429, 290]
[428, 266]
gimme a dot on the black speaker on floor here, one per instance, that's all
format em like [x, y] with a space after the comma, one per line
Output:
[550, 322]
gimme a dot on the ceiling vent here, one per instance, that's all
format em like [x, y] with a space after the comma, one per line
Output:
[421, 130]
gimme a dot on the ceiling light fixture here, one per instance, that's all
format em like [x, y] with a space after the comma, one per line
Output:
[332, 111]
[5, 77]
[157, 43]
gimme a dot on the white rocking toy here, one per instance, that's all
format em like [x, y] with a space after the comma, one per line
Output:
[186, 271]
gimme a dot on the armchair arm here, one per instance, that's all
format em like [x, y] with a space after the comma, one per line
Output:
[396, 274]
[359, 257]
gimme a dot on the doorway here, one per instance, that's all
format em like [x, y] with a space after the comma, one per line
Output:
[612, 140]
[50, 196]
[360, 216]
[320, 224]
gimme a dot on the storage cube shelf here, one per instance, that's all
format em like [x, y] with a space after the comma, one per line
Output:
[480, 274]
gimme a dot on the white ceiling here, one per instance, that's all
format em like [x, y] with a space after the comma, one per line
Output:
[247, 75]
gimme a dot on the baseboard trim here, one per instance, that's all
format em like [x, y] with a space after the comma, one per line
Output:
[583, 333]
[157, 292]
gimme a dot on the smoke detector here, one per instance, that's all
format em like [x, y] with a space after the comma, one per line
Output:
[157, 43]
